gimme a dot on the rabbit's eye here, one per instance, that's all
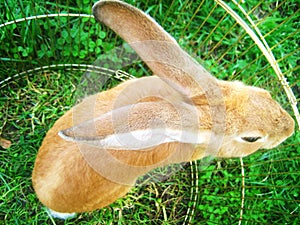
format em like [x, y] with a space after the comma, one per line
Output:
[251, 139]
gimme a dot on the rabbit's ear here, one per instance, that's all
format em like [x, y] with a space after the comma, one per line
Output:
[147, 112]
[148, 89]
[153, 44]
[140, 126]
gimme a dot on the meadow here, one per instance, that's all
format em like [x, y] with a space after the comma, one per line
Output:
[45, 70]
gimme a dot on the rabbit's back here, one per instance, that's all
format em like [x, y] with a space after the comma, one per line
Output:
[62, 178]
[66, 180]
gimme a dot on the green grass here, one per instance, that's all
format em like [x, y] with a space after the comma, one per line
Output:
[31, 102]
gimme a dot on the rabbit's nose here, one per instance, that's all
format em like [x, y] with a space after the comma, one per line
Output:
[289, 130]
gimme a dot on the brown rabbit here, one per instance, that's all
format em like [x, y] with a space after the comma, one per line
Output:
[95, 152]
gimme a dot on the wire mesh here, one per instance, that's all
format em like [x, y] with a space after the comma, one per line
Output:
[52, 54]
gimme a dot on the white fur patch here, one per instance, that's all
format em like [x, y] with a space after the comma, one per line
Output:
[59, 215]
[143, 139]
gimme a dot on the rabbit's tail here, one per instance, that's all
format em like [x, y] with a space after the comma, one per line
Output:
[59, 215]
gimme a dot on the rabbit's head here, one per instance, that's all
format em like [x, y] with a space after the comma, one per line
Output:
[253, 120]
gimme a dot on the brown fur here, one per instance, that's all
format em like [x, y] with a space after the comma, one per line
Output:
[68, 184]
[73, 176]
[65, 182]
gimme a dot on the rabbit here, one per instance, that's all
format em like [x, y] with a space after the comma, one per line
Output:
[95, 152]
